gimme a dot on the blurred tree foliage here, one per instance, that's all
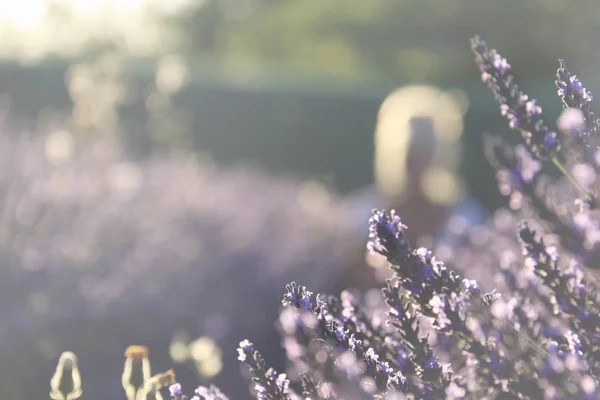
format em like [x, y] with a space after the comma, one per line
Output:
[416, 40]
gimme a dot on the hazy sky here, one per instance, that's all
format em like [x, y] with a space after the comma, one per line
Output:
[30, 29]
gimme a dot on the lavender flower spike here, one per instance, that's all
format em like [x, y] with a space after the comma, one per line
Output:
[417, 271]
[297, 297]
[209, 393]
[385, 234]
[176, 391]
[522, 113]
[573, 296]
[269, 385]
[574, 95]
[201, 393]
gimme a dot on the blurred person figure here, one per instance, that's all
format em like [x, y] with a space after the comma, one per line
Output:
[417, 155]
[416, 162]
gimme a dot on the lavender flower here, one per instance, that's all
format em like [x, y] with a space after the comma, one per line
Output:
[522, 113]
[335, 323]
[570, 293]
[575, 96]
[201, 393]
[269, 384]
[209, 393]
[176, 391]
[417, 271]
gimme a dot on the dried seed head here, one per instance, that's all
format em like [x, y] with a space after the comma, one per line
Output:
[136, 351]
[66, 381]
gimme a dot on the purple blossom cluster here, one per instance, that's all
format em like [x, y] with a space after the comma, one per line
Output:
[529, 330]
[513, 311]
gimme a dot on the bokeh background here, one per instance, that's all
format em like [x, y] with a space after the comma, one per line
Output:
[167, 166]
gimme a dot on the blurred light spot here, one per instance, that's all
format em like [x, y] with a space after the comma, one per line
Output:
[588, 384]
[59, 147]
[321, 356]
[288, 320]
[207, 355]
[178, 351]
[584, 174]
[441, 187]
[458, 224]
[124, 178]
[293, 349]
[368, 385]
[24, 13]
[202, 347]
[210, 368]
[33, 29]
[171, 74]
[349, 364]
[309, 320]
[373, 298]
[444, 251]
[571, 120]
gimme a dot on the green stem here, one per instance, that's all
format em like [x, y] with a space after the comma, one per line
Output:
[566, 173]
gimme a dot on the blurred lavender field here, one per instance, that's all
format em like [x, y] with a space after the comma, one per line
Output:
[99, 253]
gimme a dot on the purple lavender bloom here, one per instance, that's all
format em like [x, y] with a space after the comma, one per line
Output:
[335, 322]
[268, 384]
[519, 177]
[417, 271]
[201, 393]
[310, 390]
[297, 296]
[209, 393]
[574, 95]
[404, 316]
[569, 293]
[176, 392]
[522, 113]
[386, 236]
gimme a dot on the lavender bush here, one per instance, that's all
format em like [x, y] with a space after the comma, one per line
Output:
[98, 251]
[530, 329]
